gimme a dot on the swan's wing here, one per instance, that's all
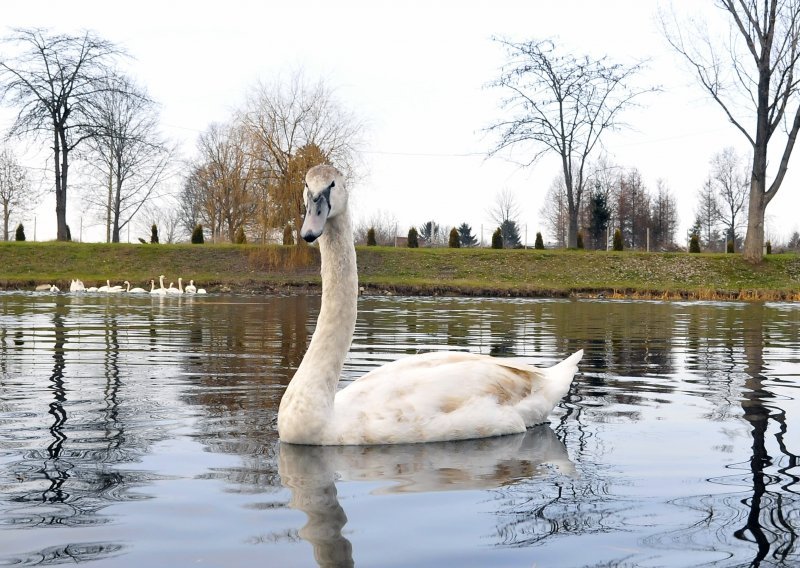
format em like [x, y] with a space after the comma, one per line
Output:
[439, 396]
[414, 364]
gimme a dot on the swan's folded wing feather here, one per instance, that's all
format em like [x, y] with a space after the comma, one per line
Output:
[448, 376]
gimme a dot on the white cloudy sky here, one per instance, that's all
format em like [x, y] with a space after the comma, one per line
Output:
[415, 72]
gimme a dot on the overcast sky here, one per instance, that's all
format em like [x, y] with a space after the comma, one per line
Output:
[416, 73]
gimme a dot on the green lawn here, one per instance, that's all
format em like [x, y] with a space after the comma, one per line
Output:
[423, 271]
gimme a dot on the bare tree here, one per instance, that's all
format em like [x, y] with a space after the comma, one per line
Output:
[53, 82]
[16, 194]
[732, 183]
[505, 212]
[707, 216]
[555, 211]
[562, 104]
[385, 225]
[166, 215]
[220, 187]
[631, 204]
[284, 118]
[751, 75]
[663, 218]
[127, 153]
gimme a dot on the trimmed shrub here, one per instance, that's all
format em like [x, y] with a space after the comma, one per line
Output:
[288, 235]
[497, 239]
[197, 235]
[539, 244]
[694, 243]
[20, 233]
[730, 247]
[154, 235]
[371, 242]
[240, 238]
[580, 240]
[769, 247]
[617, 240]
[413, 238]
[455, 239]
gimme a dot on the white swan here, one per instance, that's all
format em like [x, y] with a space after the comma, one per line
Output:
[134, 290]
[190, 288]
[178, 290]
[160, 291]
[422, 398]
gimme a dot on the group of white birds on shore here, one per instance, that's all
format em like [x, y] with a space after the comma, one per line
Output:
[77, 285]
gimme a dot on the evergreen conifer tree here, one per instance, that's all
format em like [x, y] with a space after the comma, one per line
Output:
[497, 239]
[455, 239]
[413, 238]
[617, 240]
[197, 235]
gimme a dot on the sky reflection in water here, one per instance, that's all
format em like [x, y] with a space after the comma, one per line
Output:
[141, 431]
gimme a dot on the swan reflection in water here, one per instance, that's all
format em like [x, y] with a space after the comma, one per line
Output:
[310, 473]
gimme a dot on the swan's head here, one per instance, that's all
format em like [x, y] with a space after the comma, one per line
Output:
[325, 198]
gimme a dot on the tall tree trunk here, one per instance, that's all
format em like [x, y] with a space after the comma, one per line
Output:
[115, 209]
[6, 215]
[572, 234]
[108, 205]
[62, 166]
[754, 240]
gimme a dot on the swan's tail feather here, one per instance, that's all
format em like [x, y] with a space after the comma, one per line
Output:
[570, 362]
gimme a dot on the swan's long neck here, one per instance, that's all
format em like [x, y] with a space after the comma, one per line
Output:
[307, 405]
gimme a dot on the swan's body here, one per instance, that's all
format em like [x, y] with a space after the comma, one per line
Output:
[76, 286]
[178, 290]
[190, 288]
[54, 288]
[422, 398]
[161, 291]
[134, 290]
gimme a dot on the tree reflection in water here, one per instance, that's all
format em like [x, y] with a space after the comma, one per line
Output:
[120, 375]
[78, 468]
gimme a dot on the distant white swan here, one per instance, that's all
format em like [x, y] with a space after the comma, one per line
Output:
[178, 290]
[134, 290]
[161, 291]
[422, 398]
[190, 288]
[54, 288]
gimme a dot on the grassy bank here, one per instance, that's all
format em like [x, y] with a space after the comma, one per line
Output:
[243, 268]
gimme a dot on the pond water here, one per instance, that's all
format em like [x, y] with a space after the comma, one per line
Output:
[138, 431]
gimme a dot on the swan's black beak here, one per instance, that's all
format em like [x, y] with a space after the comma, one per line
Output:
[317, 210]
